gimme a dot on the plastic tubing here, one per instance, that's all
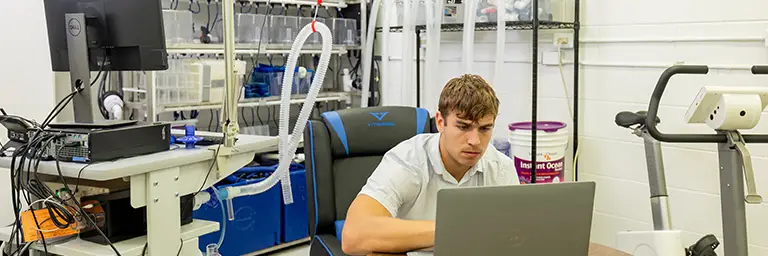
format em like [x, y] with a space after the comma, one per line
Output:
[407, 46]
[386, 10]
[468, 48]
[223, 218]
[501, 38]
[289, 143]
[434, 22]
[368, 53]
[429, 67]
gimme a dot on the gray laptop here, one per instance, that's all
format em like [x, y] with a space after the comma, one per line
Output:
[541, 220]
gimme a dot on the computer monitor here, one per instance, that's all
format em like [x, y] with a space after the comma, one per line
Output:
[128, 32]
[103, 35]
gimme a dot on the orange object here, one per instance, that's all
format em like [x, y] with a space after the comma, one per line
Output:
[48, 229]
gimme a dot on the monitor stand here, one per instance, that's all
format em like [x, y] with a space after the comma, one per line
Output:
[80, 76]
[79, 70]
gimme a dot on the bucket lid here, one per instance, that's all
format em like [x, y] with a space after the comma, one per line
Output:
[547, 126]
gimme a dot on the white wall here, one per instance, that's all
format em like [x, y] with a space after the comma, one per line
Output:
[619, 36]
[625, 47]
[26, 80]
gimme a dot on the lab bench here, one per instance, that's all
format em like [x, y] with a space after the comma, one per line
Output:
[157, 181]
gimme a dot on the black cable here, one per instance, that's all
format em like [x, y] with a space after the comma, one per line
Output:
[253, 118]
[208, 23]
[275, 115]
[210, 121]
[101, 68]
[217, 120]
[216, 18]
[77, 182]
[181, 245]
[36, 148]
[258, 115]
[144, 251]
[245, 121]
[190, 7]
[52, 115]
[100, 97]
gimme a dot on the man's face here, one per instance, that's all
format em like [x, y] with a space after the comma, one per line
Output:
[463, 140]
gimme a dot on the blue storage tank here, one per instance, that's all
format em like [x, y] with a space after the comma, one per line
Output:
[296, 215]
[257, 223]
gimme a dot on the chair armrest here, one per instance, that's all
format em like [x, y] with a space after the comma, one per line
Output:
[325, 245]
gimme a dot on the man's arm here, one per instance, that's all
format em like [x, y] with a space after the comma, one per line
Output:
[370, 227]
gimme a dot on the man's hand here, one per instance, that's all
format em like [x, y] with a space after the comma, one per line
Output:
[370, 227]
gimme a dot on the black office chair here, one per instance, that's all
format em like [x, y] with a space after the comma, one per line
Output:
[342, 151]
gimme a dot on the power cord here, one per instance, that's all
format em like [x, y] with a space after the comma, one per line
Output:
[27, 159]
[560, 57]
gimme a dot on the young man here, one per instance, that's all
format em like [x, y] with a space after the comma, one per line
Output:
[395, 211]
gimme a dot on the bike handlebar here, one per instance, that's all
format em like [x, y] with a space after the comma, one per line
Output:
[760, 70]
[653, 109]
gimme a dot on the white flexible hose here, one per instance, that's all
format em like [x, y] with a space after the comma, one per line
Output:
[430, 72]
[368, 53]
[386, 10]
[501, 25]
[407, 48]
[468, 48]
[289, 143]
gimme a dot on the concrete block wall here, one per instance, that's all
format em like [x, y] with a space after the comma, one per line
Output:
[625, 47]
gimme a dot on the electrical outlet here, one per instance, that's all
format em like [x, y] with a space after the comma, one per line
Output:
[564, 40]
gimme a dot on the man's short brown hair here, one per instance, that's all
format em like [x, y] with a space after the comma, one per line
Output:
[470, 97]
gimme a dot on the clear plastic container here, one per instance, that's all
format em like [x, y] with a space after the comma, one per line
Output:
[345, 32]
[517, 10]
[178, 26]
[420, 19]
[314, 38]
[182, 83]
[249, 28]
[283, 29]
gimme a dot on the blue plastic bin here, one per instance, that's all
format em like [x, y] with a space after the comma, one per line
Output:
[272, 76]
[296, 215]
[257, 223]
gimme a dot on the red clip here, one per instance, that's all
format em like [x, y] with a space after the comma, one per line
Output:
[313, 26]
[319, 2]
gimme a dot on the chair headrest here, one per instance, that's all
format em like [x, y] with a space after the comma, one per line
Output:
[374, 130]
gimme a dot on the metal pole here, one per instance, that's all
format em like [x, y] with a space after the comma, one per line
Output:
[229, 116]
[576, 28]
[657, 183]
[732, 203]
[534, 89]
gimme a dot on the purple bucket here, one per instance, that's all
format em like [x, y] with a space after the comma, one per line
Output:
[551, 143]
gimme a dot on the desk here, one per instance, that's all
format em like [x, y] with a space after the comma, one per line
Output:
[157, 181]
[594, 250]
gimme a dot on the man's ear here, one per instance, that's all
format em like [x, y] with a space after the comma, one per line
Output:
[439, 121]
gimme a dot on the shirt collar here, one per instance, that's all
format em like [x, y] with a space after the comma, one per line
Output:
[437, 161]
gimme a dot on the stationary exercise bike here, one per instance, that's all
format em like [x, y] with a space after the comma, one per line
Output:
[727, 110]
[663, 240]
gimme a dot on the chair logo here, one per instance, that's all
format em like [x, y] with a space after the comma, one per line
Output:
[379, 115]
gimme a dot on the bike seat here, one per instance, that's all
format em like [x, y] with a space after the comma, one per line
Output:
[626, 119]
